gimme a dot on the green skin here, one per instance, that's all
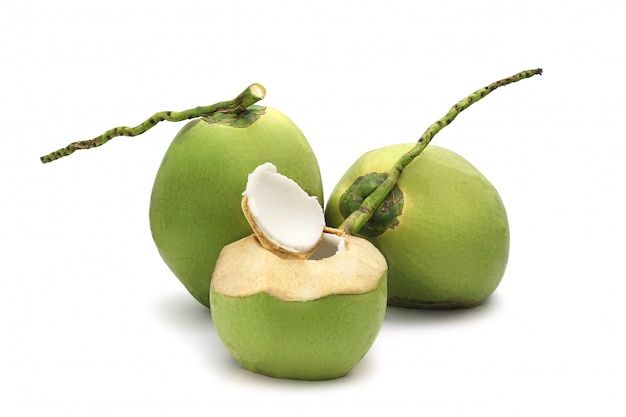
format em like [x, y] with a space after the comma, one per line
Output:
[450, 247]
[309, 340]
[195, 208]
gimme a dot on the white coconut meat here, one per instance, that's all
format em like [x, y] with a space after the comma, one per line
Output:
[283, 216]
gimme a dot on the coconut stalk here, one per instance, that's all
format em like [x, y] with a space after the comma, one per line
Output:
[248, 97]
[357, 219]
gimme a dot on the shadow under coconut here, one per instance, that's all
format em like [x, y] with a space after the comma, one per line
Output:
[412, 316]
[188, 316]
[184, 311]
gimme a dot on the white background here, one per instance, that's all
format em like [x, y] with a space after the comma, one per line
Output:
[93, 323]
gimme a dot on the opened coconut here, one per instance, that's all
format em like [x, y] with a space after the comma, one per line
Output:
[296, 300]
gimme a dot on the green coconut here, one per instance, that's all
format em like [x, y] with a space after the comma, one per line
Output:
[449, 246]
[438, 221]
[308, 319]
[194, 208]
[296, 299]
[195, 204]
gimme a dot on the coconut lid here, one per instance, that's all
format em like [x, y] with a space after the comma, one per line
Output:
[282, 215]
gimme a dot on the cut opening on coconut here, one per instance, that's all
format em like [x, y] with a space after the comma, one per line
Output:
[331, 244]
[246, 268]
[284, 217]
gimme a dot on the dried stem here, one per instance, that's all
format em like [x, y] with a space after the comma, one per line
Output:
[360, 217]
[248, 97]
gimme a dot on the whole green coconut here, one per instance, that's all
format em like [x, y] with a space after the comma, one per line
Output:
[195, 204]
[194, 208]
[438, 221]
[450, 244]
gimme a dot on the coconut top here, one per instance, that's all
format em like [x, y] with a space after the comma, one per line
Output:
[282, 214]
[245, 268]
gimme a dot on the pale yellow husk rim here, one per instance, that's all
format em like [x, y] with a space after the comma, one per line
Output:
[245, 268]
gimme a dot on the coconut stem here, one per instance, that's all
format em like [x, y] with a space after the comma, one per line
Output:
[360, 217]
[248, 97]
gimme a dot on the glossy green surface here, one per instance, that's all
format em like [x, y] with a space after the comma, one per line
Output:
[195, 208]
[451, 245]
[310, 340]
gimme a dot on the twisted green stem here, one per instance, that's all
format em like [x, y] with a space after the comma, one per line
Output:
[248, 97]
[360, 217]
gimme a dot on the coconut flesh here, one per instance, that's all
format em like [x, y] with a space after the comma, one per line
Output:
[292, 255]
[283, 216]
